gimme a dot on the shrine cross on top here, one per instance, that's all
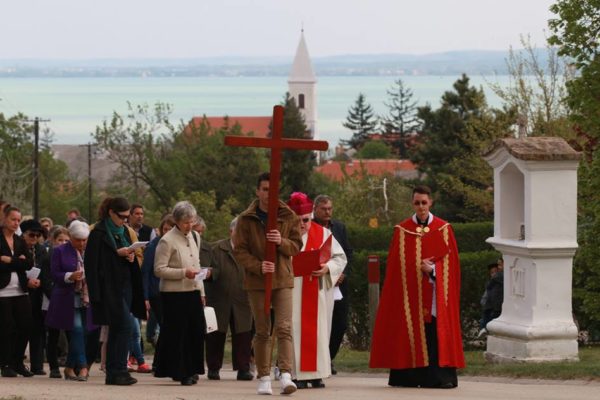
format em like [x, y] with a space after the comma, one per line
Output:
[277, 144]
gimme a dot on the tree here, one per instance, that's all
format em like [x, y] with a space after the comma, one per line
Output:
[361, 121]
[402, 119]
[576, 32]
[448, 151]
[374, 150]
[297, 165]
[537, 91]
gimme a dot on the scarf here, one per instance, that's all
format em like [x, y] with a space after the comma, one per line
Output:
[81, 287]
[116, 234]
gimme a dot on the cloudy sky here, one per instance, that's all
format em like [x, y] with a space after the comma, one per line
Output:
[79, 29]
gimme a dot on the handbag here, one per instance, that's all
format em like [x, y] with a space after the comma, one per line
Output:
[211, 319]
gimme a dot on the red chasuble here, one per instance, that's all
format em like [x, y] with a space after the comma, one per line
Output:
[405, 305]
[310, 302]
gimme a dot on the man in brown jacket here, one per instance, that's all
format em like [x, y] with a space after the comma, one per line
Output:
[249, 242]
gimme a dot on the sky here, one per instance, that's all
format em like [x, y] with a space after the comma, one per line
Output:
[89, 29]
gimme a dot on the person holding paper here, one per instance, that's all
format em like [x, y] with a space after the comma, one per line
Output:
[417, 332]
[180, 348]
[314, 283]
[32, 232]
[68, 309]
[225, 292]
[15, 306]
[115, 285]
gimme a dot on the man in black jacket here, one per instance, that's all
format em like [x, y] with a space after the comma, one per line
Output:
[32, 233]
[323, 211]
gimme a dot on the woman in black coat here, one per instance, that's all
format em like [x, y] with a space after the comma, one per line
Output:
[15, 306]
[115, 285]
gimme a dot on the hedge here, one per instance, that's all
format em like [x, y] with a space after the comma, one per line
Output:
[474, 276]
[470, 237]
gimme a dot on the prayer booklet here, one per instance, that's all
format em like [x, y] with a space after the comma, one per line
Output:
[137, 245]
[33, 273]
[202, 274]
[211, 319]
[305, 262]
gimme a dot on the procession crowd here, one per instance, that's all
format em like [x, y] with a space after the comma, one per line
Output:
[81, 290]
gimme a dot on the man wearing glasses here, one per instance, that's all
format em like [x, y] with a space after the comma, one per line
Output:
[417, 330]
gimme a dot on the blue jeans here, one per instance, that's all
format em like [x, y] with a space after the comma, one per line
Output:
[152, 328]
[76, 355]
[135, 347]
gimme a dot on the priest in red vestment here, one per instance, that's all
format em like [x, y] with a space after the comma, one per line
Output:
[417, 331]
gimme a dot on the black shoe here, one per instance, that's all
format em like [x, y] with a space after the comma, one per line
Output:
[333, 370]
[55, 373]
[244, 376]
[22, 370]
[446, 385]
[8, 372]
[195, 378]
[213, 375]
[189, 381]
[317, 383]
[300, 384]
[120, 380]
[38, 372]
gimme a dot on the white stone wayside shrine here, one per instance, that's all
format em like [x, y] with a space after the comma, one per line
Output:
[535, 229]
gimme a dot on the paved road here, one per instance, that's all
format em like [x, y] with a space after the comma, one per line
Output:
[342, 386]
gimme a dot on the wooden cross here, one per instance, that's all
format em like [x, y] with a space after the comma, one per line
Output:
[276, 143]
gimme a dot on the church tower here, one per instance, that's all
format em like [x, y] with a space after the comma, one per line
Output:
[302, 85]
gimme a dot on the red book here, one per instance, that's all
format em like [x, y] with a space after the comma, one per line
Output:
[305, 262]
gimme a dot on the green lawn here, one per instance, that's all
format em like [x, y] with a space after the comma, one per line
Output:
[588, 368]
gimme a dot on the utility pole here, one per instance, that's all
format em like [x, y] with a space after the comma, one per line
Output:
[36, 167]
[89, 155]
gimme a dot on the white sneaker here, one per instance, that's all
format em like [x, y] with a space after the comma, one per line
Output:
[264, 385]
[287, 386]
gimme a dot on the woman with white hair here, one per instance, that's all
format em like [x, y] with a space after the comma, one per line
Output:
[180, 348]
[70, 300]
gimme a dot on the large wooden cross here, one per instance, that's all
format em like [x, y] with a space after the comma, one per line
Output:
[276, 143]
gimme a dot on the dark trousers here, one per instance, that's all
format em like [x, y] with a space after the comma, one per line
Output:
[432, 376]
[37, 341]
[157, 309]
[92, 346]
[52, 347]
[241, 348]
[339, 324]
[15, 328]
[119, 336]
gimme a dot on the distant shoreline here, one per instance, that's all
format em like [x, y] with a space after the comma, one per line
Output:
[475, 62]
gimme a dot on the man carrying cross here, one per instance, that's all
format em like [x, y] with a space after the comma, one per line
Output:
[250, 240]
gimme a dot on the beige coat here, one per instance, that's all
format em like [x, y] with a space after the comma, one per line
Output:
[176, 252]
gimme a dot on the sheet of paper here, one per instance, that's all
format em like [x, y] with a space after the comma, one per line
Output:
[33, 273]
[202, 275]
[337, 294]
[137, 245]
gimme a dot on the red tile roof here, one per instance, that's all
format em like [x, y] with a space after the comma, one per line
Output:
[258, 125]
[398, 168]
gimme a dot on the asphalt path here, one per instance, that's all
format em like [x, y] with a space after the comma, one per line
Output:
[344, 386]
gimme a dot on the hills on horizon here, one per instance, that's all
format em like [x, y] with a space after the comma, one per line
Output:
[444, 63]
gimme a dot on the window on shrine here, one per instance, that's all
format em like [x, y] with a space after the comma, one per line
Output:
[301, 101]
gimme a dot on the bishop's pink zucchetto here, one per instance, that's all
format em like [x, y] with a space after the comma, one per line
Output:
[300, 203]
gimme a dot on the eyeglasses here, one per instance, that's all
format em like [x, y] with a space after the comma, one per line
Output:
[34, 234]
[121, 216]
[305, 220]
[420, 203]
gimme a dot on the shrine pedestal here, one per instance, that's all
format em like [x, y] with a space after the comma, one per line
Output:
[535, 229]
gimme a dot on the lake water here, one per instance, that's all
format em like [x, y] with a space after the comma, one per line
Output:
[76, 106]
